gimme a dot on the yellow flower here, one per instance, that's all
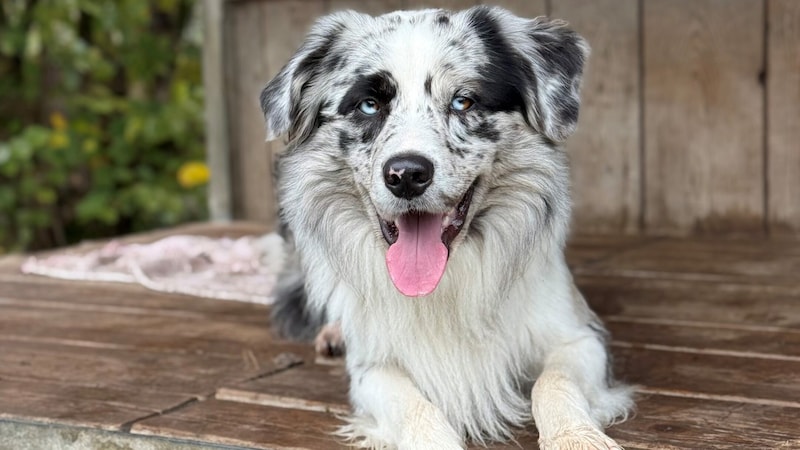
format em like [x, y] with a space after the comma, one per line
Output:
[193, 173]
[58, 122]
[58, 140]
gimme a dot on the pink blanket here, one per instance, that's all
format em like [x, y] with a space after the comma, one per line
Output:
[242, 269]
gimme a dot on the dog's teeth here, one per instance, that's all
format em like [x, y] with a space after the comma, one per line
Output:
[446, 221]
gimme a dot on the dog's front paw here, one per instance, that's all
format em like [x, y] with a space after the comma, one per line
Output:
[583, 438]
[329, 342]
[426, 428]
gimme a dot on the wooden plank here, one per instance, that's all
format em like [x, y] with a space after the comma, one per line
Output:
[605, 149]
[714, 260]
[247, 72]
[783, 115]
[262, 38]
[590, 249]
[188, 375]
[104, 407]
[678, 372]
[371, 7]
[216, 111]
[704, 128]
[673, 423]
[241, 342]
[522, 8]
[47, 293]
[312, 387]
[774, 343]
[247, 425]
[453, 5]
[661, 422]
[746, 306]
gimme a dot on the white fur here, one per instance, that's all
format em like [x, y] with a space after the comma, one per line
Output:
[506, 337]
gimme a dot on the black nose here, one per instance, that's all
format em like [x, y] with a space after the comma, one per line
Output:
[407, 176]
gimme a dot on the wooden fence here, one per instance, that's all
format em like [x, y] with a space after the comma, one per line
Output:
[690, 121]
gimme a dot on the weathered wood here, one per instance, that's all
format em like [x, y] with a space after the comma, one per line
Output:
[96, 406]
[173, 373]
[522, 8]
[444, 4]
[707, 328]
[216, 111]
[248, 344]
[723, 377]
[246, 75]
[783, 116]
[588, 249]
[605, 149]
[705, 337]
[372, 7]
[703, 106]
[713, 260]
[120, 298]
[749, 306]
[252, 426]
[663, 422]
[262, 38]
[312, 387]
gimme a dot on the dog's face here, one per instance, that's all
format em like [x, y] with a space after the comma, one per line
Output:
[429, 112]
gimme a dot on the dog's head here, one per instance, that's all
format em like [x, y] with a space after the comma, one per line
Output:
[435, 114]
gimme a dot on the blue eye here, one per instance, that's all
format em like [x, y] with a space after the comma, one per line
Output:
[461, 103]
[369, 107]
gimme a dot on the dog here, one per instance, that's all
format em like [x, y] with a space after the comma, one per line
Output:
[424, 194]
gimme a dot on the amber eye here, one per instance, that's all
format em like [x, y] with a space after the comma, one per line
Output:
[461, 103]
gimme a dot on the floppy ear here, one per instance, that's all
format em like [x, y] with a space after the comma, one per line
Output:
[285, 101]
[541, 60]
[558, 55]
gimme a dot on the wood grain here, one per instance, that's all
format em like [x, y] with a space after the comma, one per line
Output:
[252, 426]
[522, 8]
[753, 380]
[216, 111]
[712, 304]
[604, 151]
[444, 4]
[371, 7]
[704, 105]
[96, 406]
[783, 117]
[712, 260]
[246, 75]
[663, 422]
[312, 387]
[263, 36]
[683, 335]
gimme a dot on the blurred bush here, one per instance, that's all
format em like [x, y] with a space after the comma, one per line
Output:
[101, 127]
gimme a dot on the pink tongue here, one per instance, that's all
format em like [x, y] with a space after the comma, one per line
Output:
[417, 260]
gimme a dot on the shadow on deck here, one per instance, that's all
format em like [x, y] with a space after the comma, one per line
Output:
[709, 330]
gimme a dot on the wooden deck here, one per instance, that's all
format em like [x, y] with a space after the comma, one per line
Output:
[708, 330]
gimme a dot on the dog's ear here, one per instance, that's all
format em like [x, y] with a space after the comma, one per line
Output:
[558, 56]
[541, 58]
[285, 101]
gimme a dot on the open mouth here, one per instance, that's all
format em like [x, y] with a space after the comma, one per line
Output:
[419, 246]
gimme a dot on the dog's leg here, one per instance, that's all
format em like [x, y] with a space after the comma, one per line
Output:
[567, 393]
[329, 342]
[394, 414]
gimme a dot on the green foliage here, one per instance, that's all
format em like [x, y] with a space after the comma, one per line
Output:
[100, 106]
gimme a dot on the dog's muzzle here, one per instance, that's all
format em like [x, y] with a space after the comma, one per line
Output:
[419, 245]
